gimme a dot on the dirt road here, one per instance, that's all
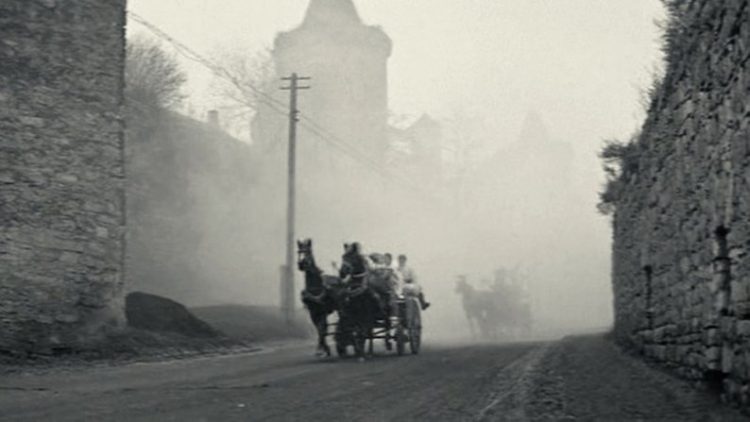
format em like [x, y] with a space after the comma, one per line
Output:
[442, 383]
[579, 378]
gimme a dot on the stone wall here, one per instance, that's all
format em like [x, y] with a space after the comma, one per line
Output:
[681, 273]
[61, 171]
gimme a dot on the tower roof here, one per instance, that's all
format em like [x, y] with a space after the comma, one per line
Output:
[331, 23]
[331, 12]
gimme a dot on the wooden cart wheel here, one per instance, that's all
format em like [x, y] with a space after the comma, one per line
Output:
[414, 324]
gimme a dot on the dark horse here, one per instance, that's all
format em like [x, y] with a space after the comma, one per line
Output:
[358, 305]
[317, 296]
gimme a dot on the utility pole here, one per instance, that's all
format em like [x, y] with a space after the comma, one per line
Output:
[287, 288]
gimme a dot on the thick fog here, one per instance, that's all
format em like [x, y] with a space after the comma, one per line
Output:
[523, 94]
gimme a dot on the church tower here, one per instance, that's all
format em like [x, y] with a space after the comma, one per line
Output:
[347, 61]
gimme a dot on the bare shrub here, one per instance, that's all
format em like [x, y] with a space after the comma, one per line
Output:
[153, 77]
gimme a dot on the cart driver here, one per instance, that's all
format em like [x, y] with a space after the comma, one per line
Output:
[410, 287]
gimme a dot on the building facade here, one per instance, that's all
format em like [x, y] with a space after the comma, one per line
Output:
[347, 61]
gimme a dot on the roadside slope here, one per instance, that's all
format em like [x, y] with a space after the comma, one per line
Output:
[589, 378]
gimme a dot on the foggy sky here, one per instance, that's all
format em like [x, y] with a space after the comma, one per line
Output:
[581, 65]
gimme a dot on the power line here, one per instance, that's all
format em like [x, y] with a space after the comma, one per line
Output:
[273, 103]
[220, 71]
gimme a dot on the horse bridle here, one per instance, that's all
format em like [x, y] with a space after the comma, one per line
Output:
[304, 256]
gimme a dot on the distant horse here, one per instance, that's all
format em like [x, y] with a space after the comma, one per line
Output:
[317, 295]
[480, 309]
[358, 306]
[513, 314]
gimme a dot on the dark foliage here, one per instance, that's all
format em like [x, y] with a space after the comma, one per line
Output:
[620, 160]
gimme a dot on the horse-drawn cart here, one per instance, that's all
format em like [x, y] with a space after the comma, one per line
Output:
[405, 328]
[361, 300]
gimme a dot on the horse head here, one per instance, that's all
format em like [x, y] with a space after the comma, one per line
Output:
[305, 258]
[352, 262]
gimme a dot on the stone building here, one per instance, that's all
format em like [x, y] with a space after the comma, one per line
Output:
[347, 105]
[681, 273]
[416, 151]
[61, 171]
[347, 61]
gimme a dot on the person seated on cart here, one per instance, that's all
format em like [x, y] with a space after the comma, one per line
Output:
[383, 282]
[410, 286]
[393, 273]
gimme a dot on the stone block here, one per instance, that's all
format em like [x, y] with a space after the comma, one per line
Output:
[7, 177]
[745, 395]
[67, 178]
[713, 357]
[32, 121]
[728, 327]
[67, 318]
[69, 257]
[739, 367]
[739, 292]
[713, 337]
[727, 358]
[743, 328]
[102, 232]
[742, 309]
[731, 390]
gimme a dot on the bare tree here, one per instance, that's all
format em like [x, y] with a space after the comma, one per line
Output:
[152, 76]
[246, 82]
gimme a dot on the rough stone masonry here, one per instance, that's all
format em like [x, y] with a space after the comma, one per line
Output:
[681, 271]
[61, 171]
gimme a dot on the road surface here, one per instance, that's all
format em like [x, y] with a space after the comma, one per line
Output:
[584, 378]
[279, 384]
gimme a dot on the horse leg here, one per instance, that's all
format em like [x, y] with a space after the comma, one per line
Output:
[322, 327]
[481, 324]
[471, 327]
[359, 343]
[320, 322]
[314, 319]
[322, 336]
[371, 350]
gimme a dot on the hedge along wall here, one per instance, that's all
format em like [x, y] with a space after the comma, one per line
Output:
[681, 273]
[61, 171]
